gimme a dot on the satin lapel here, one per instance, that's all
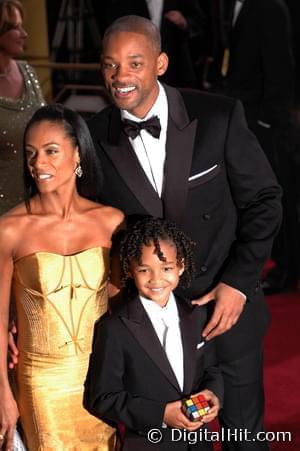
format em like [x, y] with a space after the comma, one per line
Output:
[122, 155]
[180, 147]
[189, 334]
[141, 328]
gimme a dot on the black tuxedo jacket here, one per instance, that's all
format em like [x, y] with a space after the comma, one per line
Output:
[261, 68]
[218, 186]
[130, 379]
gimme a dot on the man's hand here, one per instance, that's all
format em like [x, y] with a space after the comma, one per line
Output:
[175, 418]
[12, 348]
[229, 305]
[177, 18]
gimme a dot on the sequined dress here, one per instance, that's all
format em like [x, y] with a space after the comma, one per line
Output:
[14, 115]
[58, 299]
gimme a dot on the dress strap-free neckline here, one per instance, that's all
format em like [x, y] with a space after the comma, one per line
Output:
[104, 248]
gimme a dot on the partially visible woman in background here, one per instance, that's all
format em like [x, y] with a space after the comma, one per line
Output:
[20, 97]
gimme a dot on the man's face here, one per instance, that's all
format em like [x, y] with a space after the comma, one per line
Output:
[130, 66]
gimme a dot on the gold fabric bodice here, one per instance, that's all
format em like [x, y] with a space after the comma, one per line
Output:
[58, 299]
[14, 115]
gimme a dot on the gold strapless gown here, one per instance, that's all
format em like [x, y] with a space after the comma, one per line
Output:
[58, 298]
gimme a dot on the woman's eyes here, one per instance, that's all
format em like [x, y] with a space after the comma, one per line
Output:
[52, 151]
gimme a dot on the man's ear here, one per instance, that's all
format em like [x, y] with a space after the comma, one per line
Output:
[162, 63]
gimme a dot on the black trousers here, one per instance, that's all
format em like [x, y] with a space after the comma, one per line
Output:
[243, 408]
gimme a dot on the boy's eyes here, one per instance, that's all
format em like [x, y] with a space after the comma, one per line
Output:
[168, 268]
[165, 269]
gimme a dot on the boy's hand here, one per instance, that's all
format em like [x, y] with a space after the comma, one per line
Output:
[175, 418]
[214, 405]
[12, 348]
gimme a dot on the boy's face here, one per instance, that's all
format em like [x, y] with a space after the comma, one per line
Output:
[154, 278]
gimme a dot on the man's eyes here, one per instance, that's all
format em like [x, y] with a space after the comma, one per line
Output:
[114, 66]
[136, 64]
[110, 65]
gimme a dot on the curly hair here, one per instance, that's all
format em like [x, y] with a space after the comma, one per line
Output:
[148, 231]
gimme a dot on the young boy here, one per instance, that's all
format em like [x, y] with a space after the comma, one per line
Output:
[149, 355]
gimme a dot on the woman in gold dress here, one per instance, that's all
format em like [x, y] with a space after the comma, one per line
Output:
[54, 255]
[20, 97]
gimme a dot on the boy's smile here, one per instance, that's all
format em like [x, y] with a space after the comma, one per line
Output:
[156, 279]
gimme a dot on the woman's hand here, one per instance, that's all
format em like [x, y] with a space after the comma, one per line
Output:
[12, 348]
[9, 415]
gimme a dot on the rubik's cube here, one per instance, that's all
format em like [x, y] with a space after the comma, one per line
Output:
[195, 407]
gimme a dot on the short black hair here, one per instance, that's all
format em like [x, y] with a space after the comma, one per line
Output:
[77, 130]
[135, 24]
[150, 230]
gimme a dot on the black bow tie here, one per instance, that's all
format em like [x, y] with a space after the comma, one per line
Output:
[132, 128]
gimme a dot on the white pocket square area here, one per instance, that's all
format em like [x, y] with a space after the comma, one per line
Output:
[200, 174]
[199, 345]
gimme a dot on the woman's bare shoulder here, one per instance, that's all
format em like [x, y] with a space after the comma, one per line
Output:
[112, 216]
[12, 225]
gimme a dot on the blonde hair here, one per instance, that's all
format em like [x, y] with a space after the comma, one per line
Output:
[7, 9]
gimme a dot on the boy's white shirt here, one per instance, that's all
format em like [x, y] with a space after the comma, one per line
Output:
[162, 317]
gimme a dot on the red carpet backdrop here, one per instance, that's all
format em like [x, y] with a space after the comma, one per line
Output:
[282, 369]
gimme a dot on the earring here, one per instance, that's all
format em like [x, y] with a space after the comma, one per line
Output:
[78, 171]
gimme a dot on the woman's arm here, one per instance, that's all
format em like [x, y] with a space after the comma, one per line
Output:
[8, 407]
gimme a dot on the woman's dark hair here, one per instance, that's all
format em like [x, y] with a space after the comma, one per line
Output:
[77, 130]
[7, 9]
[148, 231]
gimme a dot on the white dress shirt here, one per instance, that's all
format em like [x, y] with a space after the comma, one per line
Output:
[165, 321]
[150, 151]
[237, 9]
[155, 10]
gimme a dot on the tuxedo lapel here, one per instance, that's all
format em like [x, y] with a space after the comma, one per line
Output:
[122, 155]
[179, 152]
[191, 335]
[139, 324]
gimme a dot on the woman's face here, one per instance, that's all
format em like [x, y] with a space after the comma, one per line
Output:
[51, 157]
[13, 40]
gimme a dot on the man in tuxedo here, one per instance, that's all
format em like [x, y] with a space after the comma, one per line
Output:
[203, 169]
[261, 74]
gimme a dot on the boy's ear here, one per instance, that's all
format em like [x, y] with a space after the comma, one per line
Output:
[182, 267]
